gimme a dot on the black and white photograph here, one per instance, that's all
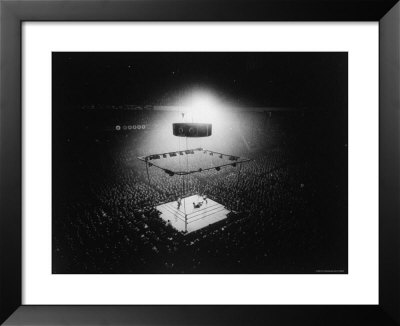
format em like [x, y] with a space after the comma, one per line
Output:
[199, 162]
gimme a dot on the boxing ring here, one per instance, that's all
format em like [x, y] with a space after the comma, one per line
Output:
[190, 213]
[187, 218]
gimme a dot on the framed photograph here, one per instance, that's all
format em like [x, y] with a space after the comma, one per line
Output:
[215, 164]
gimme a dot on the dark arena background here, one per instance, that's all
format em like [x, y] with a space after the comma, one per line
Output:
[267, 188]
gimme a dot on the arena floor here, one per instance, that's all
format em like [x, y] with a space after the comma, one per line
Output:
[198, 218]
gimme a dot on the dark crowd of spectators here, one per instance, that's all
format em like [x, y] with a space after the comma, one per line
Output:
[288, 208]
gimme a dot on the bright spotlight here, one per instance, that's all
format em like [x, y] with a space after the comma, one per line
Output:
[203, 106]
[203, 100]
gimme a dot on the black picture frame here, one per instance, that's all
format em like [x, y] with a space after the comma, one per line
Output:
[13, 13]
